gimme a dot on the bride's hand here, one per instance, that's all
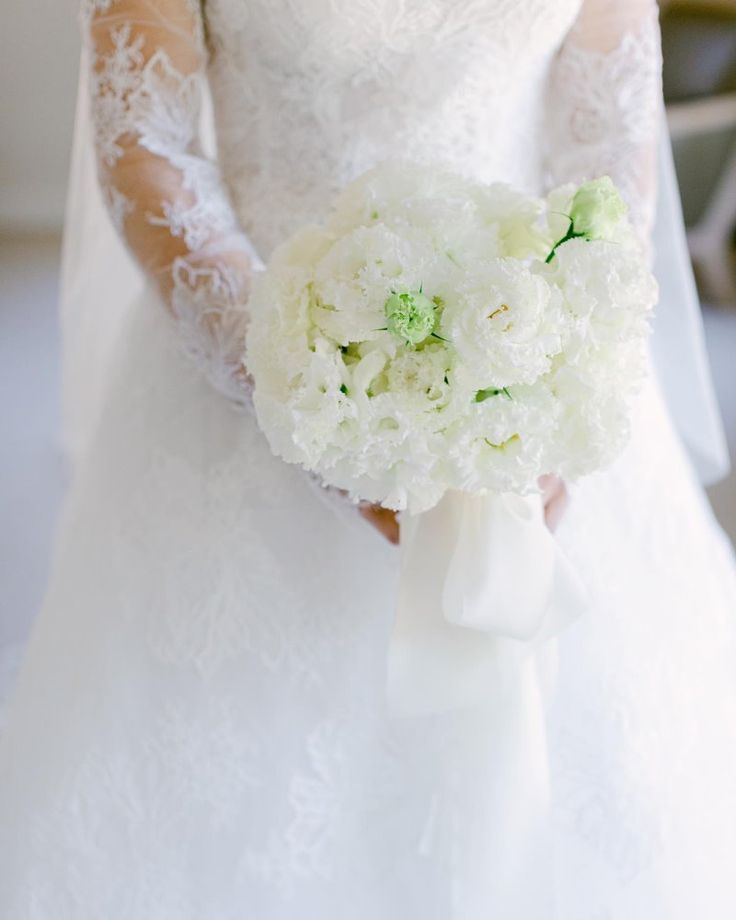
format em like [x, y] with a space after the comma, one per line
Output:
[383, 519]
[555, 497]
[554, 494]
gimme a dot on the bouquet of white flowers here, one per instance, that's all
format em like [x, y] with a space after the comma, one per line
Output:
[436, 346]
[440, 334]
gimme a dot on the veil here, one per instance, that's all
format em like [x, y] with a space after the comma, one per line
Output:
[678, 342]
[100, 281]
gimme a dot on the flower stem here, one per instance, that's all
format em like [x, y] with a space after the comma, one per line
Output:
[570, 235]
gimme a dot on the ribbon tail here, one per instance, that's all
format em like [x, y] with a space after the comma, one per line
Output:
[502, 568]
[481, 581]
[433, 665]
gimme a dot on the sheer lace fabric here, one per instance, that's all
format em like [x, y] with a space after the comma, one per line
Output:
[200, 729]
[308, 96]
[604, 101]
[166, 199]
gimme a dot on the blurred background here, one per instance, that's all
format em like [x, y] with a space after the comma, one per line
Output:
[38, 73]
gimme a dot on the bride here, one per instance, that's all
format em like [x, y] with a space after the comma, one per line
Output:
[200, 727]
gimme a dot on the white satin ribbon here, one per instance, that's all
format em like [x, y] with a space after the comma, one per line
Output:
[482, 582]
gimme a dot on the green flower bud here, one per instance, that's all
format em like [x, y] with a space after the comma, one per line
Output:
[596, 209]
[410, 316]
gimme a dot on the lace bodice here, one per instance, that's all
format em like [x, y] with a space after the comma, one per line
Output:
[309, 95]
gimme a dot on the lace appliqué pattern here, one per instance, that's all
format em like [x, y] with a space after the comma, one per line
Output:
[603, 116]
[357, 83]
[144, 105]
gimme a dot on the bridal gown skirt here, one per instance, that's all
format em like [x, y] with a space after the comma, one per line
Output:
[199, 731]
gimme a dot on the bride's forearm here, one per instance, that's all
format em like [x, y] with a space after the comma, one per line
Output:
[604, 99]
[166, 199]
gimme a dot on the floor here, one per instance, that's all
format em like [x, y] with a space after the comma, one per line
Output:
[31, 463]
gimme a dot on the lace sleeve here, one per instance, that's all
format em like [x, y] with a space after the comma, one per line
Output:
[147, 60]
[605, 94]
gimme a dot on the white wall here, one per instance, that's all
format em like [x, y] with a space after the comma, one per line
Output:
[39, 52]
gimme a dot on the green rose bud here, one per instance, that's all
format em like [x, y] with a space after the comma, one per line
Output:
[410, 316]
[596, 209]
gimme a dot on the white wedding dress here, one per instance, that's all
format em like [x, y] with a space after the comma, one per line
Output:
[199, 731]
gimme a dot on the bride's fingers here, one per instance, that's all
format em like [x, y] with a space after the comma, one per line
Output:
[556, 499]
[382, 519]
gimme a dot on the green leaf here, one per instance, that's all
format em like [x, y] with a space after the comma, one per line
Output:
[483, 395]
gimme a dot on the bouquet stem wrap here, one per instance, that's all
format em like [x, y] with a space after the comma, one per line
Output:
[482, 584]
